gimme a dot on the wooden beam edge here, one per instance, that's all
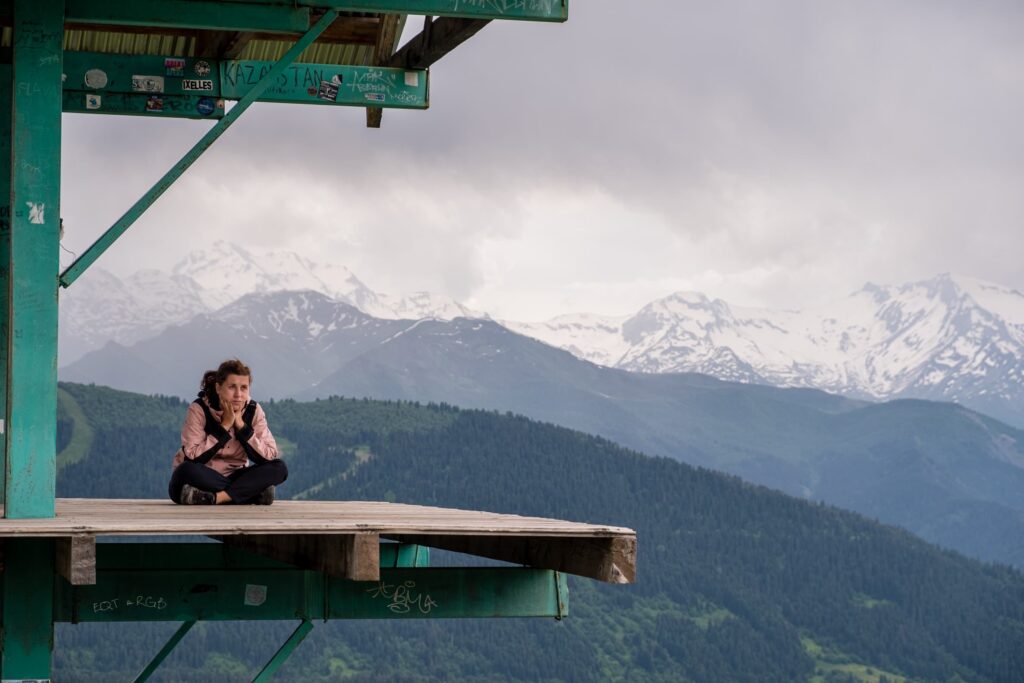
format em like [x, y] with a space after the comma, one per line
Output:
[355, 557]
[609, 559]
[75, 559]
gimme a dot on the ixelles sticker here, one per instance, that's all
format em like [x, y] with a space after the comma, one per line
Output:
[197, 85]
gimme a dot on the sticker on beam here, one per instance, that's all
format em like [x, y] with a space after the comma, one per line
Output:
[151, 74]
[329, 84]
[142, 104]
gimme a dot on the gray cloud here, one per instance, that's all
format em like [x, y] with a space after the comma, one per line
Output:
[771, 148]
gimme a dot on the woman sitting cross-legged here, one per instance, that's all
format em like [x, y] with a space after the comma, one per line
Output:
[227, 454]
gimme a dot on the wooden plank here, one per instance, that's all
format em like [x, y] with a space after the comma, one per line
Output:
[223, 44]
[438, 38]
[76, 559]
[119, 517]
[226, 45]
[606, 559]
[344, 556]
[387, 40]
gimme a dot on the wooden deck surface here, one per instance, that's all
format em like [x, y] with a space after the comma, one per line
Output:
[112, 517]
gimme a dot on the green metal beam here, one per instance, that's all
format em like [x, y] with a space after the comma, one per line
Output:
[105, 73]
[158, 106]
[288, 17]
[5, 258]
[528, 10]
[448, 593]
[31, 294]
[189, 87]
[164, 651]
[359, 86]
[192, 14]
[200, 557]
[26, 636]
[284, 652]
[257, 594]
[110, 236]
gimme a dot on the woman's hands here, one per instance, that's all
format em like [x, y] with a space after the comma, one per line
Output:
[232, 412]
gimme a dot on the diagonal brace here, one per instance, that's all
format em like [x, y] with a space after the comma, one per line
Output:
[164, 651]
[284, 652]
[124, 222]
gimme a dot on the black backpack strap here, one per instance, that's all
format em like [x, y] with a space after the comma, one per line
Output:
[214, 428]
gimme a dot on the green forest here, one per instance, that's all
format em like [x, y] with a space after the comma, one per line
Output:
[736, 582]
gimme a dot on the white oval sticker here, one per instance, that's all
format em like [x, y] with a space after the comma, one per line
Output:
[96, 78]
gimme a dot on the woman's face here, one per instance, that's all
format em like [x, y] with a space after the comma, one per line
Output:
[234, 390]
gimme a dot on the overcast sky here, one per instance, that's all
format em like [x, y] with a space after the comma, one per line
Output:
[767, 153]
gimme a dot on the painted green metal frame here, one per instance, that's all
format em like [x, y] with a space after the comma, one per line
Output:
[26, 639]
[117, 229]
[34, 238]
[199, 585]
[164, 651]
[191, 14]
[525, 10]
[5, 263]
[288, 17]
[178, 90]
[284, 652]
[152, 582]
[211, 582]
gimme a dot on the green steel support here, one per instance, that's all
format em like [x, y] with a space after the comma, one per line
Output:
[216, 582]
[358, 86]
[26, 639]
[164, 651]
[192, 14]
[527, 10]
[31, 387]
[5, 260]
[110, 236]
[286, 650]
[177, 90]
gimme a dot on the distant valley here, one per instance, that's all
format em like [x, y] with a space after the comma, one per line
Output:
[736, 582]
[951, 475]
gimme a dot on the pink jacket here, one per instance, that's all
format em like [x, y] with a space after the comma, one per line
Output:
[231, 448]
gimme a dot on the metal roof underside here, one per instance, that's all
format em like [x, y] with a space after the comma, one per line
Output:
[357, 39]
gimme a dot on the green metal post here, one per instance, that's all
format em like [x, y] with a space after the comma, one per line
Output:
[33, 259]
[154, 193]
[26, 639]
[5, 259]
[164, 651]
[282, 654]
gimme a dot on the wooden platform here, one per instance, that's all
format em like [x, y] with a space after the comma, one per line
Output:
[342, 537]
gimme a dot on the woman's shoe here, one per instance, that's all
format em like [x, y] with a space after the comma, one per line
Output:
[190, 495]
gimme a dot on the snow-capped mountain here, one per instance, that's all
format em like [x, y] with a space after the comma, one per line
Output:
[948, 338]
[100, 307]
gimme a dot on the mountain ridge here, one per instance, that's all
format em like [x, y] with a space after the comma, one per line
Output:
[938, 469]
[949, 338]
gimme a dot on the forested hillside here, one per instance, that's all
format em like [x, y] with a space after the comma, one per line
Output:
[736, 582]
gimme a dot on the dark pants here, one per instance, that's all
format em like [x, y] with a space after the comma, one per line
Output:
[243, 485]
